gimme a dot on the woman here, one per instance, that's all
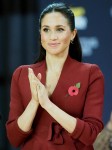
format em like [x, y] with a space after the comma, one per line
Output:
[57, 102]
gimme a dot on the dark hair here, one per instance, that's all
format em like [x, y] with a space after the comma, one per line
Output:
[75, 50]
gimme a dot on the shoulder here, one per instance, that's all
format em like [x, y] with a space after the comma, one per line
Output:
[84, 65]
[94, 72]
[94, 69]
[86, 70]
[87, 67]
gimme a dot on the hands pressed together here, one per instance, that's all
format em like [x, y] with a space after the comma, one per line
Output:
[38, 90]
[40, 96]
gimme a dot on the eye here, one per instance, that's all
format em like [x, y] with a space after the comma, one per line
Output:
[60, 29]
[46, 30]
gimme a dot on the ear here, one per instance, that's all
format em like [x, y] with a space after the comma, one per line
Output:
[74, 32]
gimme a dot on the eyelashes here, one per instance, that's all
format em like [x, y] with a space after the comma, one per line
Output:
[57, 30]
[46, 30]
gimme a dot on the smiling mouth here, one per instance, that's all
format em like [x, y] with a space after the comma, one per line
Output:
[53, 44]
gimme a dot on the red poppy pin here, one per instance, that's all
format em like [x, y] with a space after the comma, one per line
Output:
[74, 90]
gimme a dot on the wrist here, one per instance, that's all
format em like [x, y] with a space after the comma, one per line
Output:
[34, 101]
[47, 105]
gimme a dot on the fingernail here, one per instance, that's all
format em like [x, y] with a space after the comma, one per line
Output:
[30, 70]
[39, 74]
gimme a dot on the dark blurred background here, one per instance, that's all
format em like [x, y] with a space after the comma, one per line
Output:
[19, 44]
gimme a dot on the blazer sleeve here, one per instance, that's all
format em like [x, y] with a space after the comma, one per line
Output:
[88, 127]
[15, 135]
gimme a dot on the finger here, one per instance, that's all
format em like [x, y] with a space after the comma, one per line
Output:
[37, 79]
[39, 76]
[30, 70]
[31, 73]
[32, 78]
[39, 84]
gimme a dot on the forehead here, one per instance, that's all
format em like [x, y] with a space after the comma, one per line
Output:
[54, 18]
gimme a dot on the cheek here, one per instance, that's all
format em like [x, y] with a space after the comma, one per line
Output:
[66, 38]
[43, 38]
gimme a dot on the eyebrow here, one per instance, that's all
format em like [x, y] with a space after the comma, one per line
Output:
[56, 26]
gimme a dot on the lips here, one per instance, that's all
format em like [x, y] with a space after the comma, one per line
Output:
[53, 44]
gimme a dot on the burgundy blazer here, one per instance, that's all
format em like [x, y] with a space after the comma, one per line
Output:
[86, 107]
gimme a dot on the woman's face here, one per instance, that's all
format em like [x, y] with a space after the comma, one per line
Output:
[55, 33]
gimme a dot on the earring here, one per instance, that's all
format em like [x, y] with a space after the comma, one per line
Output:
[71, 42]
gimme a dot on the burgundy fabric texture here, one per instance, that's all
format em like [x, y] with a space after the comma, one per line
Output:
[86, 107]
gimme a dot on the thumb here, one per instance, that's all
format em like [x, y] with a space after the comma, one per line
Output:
[39, 76]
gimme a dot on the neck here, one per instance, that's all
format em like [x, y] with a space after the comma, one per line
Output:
[55, 62]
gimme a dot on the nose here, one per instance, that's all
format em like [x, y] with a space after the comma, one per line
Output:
[53, 36]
